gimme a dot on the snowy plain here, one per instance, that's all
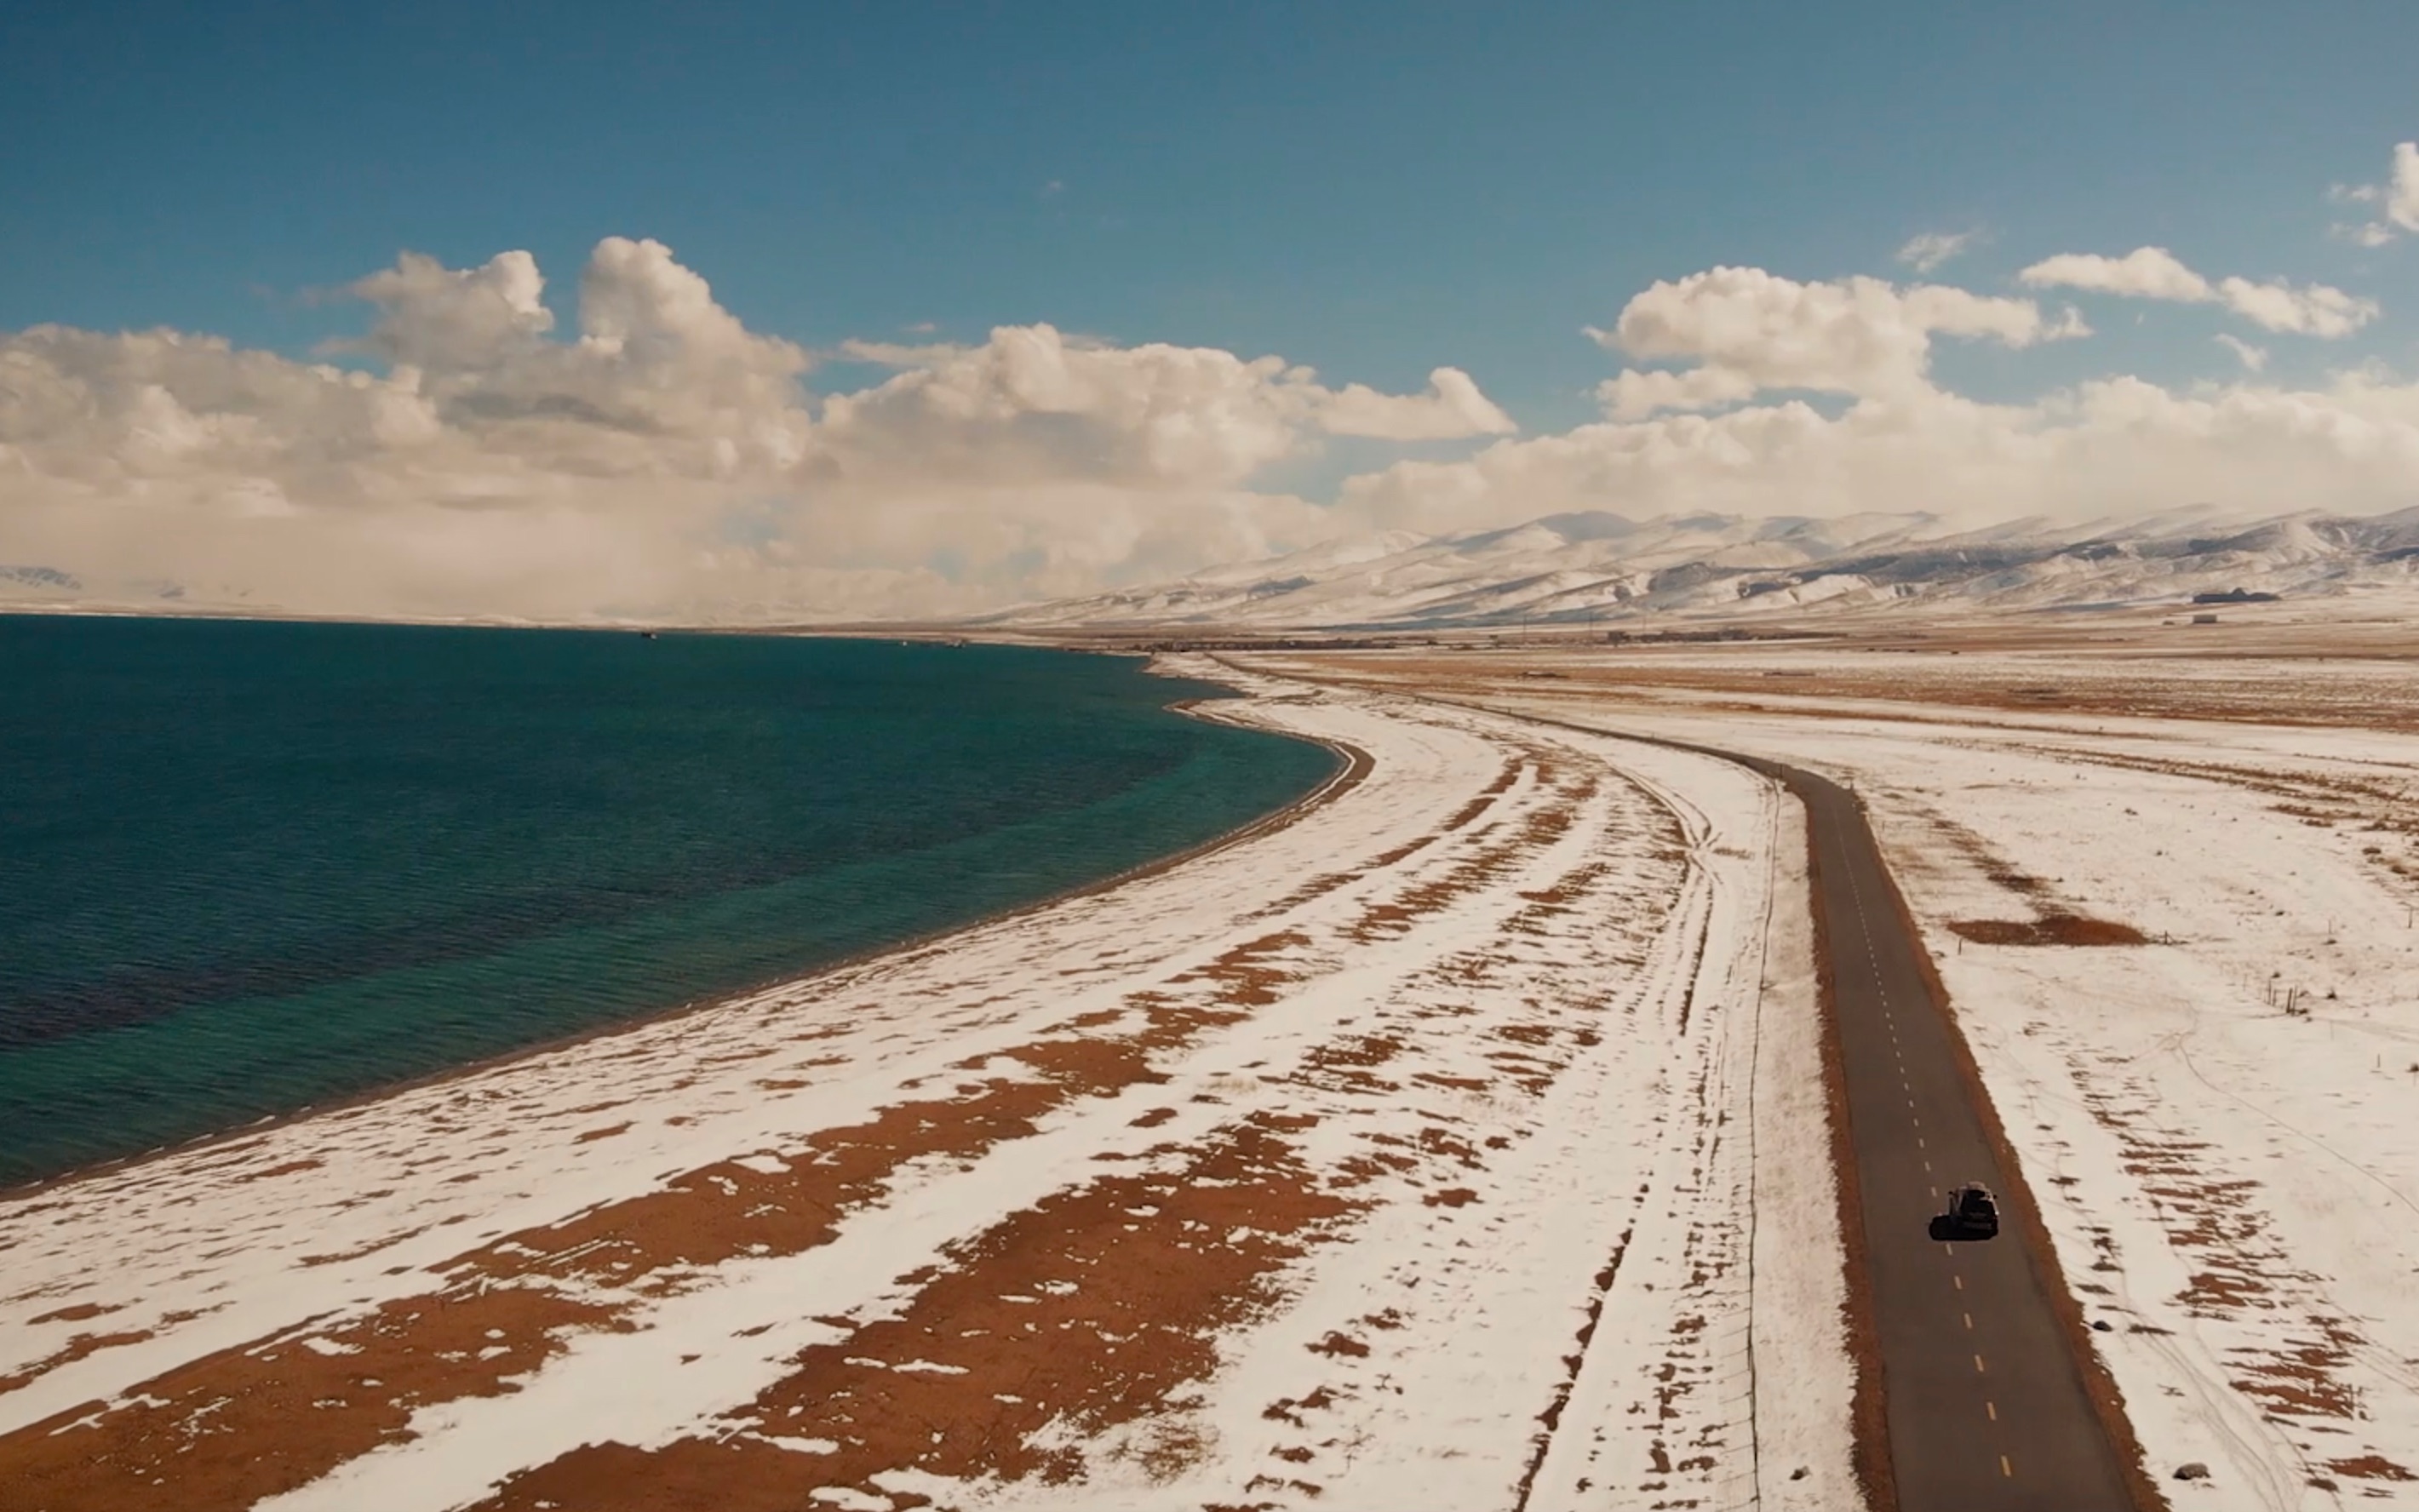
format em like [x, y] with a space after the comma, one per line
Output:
[2232, 1188]
[1457, 1141]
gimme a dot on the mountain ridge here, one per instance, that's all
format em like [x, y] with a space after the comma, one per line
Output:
[1600, 568]
[1587, 568]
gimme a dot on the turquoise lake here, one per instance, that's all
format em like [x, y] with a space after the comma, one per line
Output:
[247, 867]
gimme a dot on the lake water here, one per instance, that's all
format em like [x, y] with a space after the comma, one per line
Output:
[246, 866]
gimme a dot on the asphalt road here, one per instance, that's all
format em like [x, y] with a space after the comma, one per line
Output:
[1982, 1386]
[1985, 1397]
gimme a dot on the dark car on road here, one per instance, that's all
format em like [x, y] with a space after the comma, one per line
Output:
[1972, 1212]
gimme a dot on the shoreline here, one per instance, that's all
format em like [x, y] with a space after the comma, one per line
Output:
[1214, 1167]
[1352, 766]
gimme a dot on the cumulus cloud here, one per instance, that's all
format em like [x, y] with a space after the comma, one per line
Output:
[2156, 273]
[1033, 403]
[662, 458]
[2118, 446]
[448, 318]
[1030, 405]
[1929, 250]
[1747, 331]
[1450, 409]
[2110, 447]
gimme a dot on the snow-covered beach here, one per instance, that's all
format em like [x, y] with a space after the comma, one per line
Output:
[1459, 1141]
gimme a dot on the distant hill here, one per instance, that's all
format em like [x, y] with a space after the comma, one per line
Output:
[1603, 568]
[1597, 567]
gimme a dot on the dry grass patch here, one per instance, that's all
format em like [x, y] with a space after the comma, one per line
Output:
[1093, 1309]
[2050, 929]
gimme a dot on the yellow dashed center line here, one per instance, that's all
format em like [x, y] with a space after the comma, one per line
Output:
[1978, 1364]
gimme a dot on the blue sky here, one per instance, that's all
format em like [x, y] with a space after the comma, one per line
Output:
[2188, 275]
[1372, 189]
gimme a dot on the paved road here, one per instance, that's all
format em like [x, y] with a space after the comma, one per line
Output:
[1983, 1388]
[1985, 1395]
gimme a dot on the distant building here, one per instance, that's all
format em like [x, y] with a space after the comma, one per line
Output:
[2204, 619]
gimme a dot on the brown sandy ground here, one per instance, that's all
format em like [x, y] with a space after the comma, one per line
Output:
[1100, 1308]
[2324, 668]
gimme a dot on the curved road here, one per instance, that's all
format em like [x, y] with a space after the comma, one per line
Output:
[1981, 1386]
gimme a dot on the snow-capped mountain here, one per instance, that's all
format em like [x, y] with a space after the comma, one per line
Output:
[1592, 567]
[1589, 569]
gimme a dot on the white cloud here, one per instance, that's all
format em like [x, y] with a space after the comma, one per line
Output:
[2402, 194]
[1029, 406]
[2113, 447]
[2156, 273]
[2253, 358]
[1748, 330]
[665, 459]
[2144, 273]
[2397, 199]
[1636, 393]
[1452, 409]
[1929, 250]
[662, 458]
[436, 316]
[1032, 403]
[2313, 309]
